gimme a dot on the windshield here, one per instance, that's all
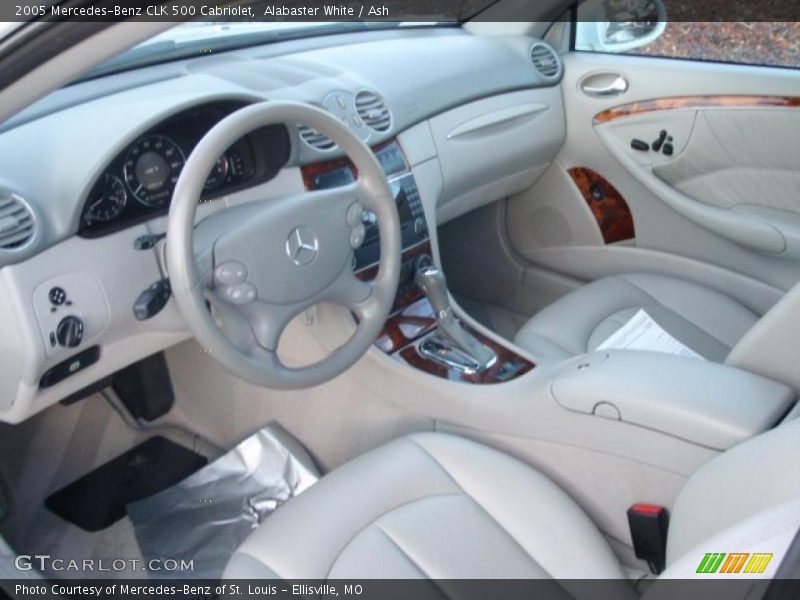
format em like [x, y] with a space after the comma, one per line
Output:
[197, 38]
[210, 36]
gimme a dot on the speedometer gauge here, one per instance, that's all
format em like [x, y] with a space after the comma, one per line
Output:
[106, 201]
[152, 168]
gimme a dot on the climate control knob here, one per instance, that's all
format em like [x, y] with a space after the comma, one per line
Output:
[69, 332]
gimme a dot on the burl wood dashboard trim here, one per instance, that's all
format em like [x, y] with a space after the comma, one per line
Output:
[406, 328]
[689, 102]
[610, 210]
[312, 170]
[412, 319]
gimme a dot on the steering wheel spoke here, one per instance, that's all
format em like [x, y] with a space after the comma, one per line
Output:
[349, 291]
[231, 321]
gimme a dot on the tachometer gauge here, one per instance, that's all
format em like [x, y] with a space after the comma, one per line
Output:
[219, 174]
[152, 168]
[106, 201]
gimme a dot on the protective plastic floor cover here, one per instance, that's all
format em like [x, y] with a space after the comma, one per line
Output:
[205, 517]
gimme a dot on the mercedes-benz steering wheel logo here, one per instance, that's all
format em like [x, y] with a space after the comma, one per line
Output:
[302, 246]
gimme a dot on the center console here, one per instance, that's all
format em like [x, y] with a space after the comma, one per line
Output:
[710, 404]
[434, 341]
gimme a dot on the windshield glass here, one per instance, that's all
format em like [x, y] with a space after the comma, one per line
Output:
[196, 38]
[210, 36]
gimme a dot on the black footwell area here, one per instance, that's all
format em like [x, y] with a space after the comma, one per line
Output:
[98, 499]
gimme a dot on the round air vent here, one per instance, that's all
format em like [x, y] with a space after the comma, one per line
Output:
[373, 110]
[315, 139]
[545, 60]
[17, 223]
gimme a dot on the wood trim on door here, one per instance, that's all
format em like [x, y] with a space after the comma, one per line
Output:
[610, 210]
[690, 102]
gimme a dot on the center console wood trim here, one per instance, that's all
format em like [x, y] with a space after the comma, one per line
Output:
[412, 318]
[509, 364]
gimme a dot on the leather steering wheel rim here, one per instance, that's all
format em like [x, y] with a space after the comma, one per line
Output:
[195, 255]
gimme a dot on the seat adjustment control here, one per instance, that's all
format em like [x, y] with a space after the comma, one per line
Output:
[640, 145]
[69, 332]
[662, 136]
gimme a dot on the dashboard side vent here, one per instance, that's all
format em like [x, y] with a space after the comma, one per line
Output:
[315, 139]
[373, 110]
[17, 223]
[545, 60]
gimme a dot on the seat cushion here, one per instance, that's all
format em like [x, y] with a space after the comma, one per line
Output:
[429, 506]
[707, 321]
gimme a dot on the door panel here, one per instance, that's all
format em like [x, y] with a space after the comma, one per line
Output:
[721, 207]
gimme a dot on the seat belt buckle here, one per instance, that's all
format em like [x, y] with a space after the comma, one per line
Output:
[648, 524]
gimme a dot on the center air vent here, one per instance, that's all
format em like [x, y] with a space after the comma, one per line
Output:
[315, 139]
[373, 111]
[545, 60]
[17, 225]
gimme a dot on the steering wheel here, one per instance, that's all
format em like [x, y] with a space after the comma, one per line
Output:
[260, 264]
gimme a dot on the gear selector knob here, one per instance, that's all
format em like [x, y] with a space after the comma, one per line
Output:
[471, 354]
[434, 284]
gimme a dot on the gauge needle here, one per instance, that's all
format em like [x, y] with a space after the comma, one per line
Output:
[91, 208]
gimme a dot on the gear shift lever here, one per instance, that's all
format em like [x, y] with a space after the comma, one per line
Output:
[455, 345]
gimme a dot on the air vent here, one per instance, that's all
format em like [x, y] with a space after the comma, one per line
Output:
[373, 111]
[315, 139]
[545, 60]
[17, 225]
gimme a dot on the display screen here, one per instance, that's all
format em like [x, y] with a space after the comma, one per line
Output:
[331, 179]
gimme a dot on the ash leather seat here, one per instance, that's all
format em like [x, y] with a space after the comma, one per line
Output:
[438, 506]
[708, 322]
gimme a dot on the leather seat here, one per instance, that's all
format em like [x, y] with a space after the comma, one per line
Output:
[438, 506]
[708, 322]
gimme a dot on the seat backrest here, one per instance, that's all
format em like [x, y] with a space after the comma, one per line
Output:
[752, 487]
[770, 347]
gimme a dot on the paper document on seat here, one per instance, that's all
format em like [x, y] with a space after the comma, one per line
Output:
[643, 333]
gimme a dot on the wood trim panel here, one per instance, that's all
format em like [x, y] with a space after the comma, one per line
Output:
[684, 102]
[406, 326]
[412, 319]
[610, 210]
[509, 365]
[310, 171]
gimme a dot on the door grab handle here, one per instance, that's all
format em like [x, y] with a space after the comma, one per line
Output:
[618, 85]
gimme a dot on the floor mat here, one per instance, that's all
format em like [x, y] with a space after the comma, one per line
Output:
[99, 498]
[201, 521]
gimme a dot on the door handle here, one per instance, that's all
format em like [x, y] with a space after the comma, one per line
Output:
[604, 84]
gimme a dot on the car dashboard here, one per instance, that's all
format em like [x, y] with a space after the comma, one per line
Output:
[88, 208]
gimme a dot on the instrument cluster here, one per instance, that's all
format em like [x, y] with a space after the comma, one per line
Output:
[139, 183]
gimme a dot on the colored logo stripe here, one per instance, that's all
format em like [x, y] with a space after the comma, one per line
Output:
[711, 562]
[714, 562]
[734, 562]
[758, 563]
